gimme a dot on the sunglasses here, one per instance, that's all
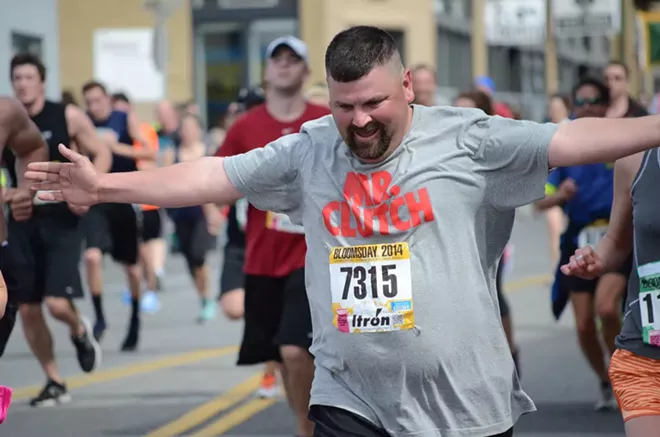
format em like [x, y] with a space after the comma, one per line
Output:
[591, 101]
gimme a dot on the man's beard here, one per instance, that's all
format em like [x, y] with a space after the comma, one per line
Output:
[373, 148]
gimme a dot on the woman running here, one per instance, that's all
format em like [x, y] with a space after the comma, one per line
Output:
[635, 366]
[193, 224]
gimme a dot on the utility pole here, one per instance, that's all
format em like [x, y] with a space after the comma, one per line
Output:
[161, 10]
[629, 50]
[551, 65]
[478, 40]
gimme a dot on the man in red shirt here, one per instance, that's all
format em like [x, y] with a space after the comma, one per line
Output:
[278, 324]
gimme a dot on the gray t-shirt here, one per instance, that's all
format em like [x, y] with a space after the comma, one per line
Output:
[401, 264]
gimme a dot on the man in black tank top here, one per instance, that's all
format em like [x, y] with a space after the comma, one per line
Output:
[47, 247]
[115, 228]
[19, 138]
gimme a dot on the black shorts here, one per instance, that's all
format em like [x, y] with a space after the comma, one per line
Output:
[337, 422]
[45, 252]
[573, 284]
[152, 226]
[503, 303]
[194, 240]
[114, 228]
[9, 320]
[232, 276]
[276, 314]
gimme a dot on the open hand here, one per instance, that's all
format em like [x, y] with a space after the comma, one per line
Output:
[585, 264]
[75, 182]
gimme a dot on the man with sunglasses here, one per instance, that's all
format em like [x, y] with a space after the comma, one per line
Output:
[585, 192]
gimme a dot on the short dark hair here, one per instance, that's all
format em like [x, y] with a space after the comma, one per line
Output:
[354, 52]
[120, 97]
[481, 100]
[617, 63]
[603, 90]
[27, 59]
[93, 84]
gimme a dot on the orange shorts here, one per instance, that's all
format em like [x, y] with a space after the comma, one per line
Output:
[636, 384]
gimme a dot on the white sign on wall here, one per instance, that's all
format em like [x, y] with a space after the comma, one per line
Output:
[123, 62]
[515, 22]
[579, 18]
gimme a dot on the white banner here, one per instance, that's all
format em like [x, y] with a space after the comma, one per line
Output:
[123, 61]
[579, 18]
[515, 22]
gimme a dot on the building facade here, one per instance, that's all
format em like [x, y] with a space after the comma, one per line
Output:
[518, 72]
[93, 33]
[30, 26]
[230, 37]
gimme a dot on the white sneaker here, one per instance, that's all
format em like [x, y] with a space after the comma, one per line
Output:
[606, 400]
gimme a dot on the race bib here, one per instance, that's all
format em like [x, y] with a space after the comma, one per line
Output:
[649, 302]
[371, 288]
[282, 223]
[592, 234]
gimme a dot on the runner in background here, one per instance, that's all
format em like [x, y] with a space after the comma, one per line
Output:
[115, 228]
[487, 85]
[481, 100]
[559, 111]
[277, 319]
[585, 192]
[425, 85]
[195, 226]
[20, 138]
[152, 244]
[232, 279]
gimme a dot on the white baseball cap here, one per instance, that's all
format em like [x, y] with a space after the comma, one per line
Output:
[296, 45]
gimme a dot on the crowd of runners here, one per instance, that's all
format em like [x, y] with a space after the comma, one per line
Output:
[335, 201]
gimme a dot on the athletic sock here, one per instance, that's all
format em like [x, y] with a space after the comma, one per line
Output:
[97, 301]
[135, 308]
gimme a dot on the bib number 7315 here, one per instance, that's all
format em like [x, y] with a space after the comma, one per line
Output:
[371, 288]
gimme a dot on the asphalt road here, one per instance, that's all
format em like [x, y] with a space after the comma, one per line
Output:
[183, 382]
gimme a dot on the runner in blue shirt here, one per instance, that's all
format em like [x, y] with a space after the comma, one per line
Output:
[585, 192]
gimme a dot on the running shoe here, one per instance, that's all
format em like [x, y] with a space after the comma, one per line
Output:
[52, 394]
[132, 336]
[88, 350]
[606, 400]
[207, 312]
[268, 388]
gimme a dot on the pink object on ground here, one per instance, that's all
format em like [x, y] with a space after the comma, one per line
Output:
[5, 401]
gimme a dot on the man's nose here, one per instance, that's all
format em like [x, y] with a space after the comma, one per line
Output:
[361, 118]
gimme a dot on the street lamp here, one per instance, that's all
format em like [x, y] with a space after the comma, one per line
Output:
[161, 10]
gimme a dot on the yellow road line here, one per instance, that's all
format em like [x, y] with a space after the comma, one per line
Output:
[529, 281]
[209, 409]
[235, 418]
[132, 370]
[246, 411]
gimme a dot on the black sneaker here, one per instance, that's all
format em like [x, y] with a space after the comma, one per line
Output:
[88, 350]
[132, 336]
[52, 394]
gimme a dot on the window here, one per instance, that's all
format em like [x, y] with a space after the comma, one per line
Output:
[22, 43]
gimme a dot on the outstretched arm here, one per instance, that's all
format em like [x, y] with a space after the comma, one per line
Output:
[188, 183]
[591, 140]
